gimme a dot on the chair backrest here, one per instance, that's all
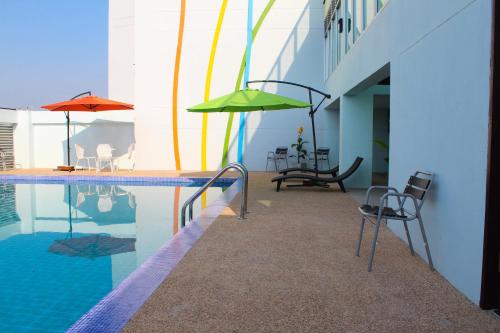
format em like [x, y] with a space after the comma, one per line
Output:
[419, 185]
[281, 151]
[323, 151]
[104, 150]
[80, 151]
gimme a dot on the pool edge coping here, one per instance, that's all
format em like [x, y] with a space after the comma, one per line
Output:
[113, 312]
[160, 180]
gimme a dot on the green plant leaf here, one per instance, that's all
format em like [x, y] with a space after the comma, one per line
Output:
[381, 144]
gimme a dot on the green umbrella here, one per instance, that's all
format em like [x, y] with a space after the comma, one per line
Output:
[249, 100]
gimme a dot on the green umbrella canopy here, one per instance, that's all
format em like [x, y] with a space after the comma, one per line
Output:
[249, 100]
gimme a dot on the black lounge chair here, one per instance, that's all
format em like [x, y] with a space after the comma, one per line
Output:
[312, 180]
[332, 171]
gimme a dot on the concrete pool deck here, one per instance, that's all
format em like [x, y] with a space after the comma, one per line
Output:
[291, 267]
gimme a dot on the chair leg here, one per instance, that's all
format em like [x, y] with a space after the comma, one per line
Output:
[426, 244]
[358, 248]
[278, 185]
[374, 245]
[409, 238]
[267, 163]
[275, 165]
[342, 187]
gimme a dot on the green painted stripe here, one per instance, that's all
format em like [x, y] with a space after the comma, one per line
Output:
[240, 78]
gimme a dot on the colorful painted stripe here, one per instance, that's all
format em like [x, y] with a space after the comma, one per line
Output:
[241, 129]
[175, 91]
[175, 222]
[229, 125]
[208, 81]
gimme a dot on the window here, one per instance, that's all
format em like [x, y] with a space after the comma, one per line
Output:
[348, 24]
[340, 25]
[344, 23]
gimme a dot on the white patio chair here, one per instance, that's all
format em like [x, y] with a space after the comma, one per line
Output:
[80, 156]
[105, 200]
[3, 160]
[83, 192]
[131, 157]
[105, 157]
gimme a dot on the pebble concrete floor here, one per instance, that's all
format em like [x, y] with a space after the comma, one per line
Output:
[291, 268]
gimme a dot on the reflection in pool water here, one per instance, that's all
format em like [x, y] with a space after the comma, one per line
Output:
[64, 247]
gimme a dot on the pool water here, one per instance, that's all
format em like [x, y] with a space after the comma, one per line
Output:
[63, 247]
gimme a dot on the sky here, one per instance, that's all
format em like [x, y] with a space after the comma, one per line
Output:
[52, 50]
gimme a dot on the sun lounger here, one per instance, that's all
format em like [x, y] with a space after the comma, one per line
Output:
[313, 180]
[332, 171]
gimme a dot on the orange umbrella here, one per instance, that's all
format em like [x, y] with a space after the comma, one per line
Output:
[89, 104]
[86, 104]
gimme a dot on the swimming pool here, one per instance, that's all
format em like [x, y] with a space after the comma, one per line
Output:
[65, 246]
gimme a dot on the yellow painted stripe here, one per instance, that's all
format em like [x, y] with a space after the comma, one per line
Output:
[175, 90]
[204, 200]
[208, 82]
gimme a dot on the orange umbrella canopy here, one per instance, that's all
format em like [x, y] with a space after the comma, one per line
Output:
[89, 104]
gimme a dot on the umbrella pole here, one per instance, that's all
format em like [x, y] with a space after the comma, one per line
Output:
[69, 210]
[67, 139]
[311, 114]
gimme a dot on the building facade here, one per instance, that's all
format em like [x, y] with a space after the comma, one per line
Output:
[431, 61]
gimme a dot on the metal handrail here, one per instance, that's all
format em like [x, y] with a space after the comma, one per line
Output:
[243, 210]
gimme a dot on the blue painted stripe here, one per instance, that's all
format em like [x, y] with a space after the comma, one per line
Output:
[241, 129]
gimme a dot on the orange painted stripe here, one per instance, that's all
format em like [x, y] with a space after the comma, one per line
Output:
[175, 223]
[178, 54]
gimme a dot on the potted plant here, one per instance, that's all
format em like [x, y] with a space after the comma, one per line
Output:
[299, 147]
[384, 146]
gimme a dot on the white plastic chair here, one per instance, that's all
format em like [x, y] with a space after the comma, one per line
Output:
[3, 157]
[131, 157]
[105, 200]
[80, 156]
[105, 157]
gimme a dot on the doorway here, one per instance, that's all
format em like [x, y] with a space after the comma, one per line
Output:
[380, 156]
[490, 284]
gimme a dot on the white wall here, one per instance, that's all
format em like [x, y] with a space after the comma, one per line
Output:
[40, 136]
[439, 55]
[121, 50]
[287, 47]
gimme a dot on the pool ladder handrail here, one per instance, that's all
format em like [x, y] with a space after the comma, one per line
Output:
[243, 209]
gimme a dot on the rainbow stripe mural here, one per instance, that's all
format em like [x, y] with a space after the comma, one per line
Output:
[241, 76]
